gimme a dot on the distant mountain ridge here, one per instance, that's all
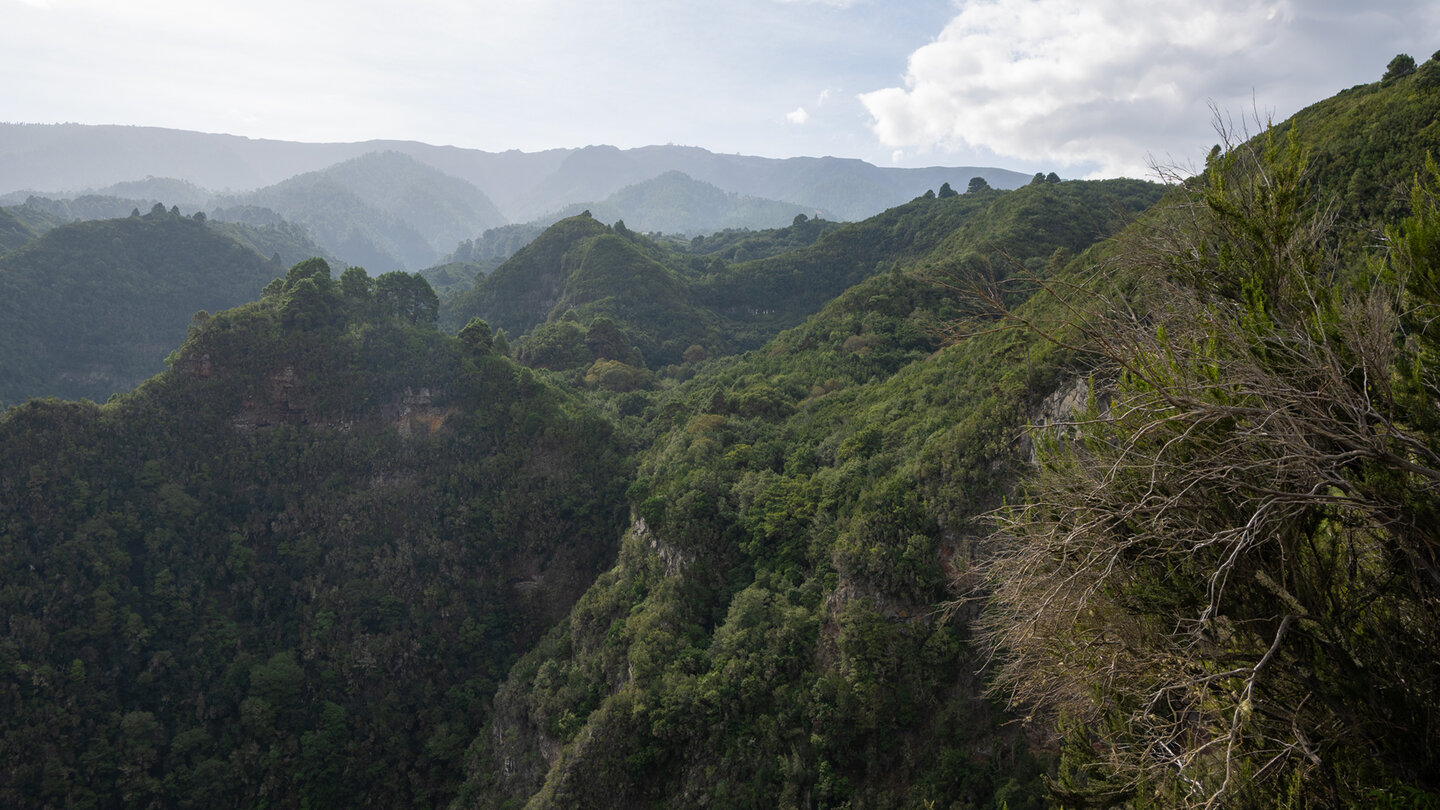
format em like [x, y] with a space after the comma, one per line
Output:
[383, 210]
[1083, 494]
[676, 203]
[523, 185]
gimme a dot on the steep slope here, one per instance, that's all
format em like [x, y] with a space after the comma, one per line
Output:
[383, 211]
[289, 571]
[284, 243]
[522, 292]
[453, 277]
[651, 305]
[761, 297]
[770, 634]
[339, 220]
[443, 208]
[37, 217]
[580, 271]
[1246, 519]
[14, 231]
[1367, 144]
[665, 301]
[496, 245]
[92, 308]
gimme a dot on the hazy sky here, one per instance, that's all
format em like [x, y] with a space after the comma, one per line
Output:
[1082, 87]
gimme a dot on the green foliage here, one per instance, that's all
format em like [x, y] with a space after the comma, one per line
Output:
[92, 308]
[284, 242]
[664, 300]
[495, 245]
[1364, 145]
[1428, 75]
[476, 337]
[14, 231]
[521, 293]
[456, 277]
[802, 508]
[739, 245]
[335, 558]
[759, 298]
[1402, 65]
[1239, 527]
[605, 280]
[406, 297]
[613, 375]
[357, 287]
[291, 567]
[769, 637]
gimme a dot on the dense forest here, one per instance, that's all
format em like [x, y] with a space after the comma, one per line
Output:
[92, 308]
[306, 551]
[1079, 494]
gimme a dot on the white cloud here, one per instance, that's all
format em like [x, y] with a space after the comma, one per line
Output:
[797, 116]
[1118, 80]
[1109, 83]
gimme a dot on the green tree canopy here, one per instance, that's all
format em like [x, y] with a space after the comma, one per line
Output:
[407, 297]
[476, 336]
[1402, 65]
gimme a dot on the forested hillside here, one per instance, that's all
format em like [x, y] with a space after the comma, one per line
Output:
[93, 308]
[14, 231]
[771, 634]
[384, 211]
[1082, 494]
[1222, 589]
[290, 570]
[663, 301]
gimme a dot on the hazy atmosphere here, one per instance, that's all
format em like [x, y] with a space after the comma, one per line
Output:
[1087, 88]
[813, 404]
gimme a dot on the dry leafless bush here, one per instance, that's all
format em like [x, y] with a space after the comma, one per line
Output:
[1229, 581]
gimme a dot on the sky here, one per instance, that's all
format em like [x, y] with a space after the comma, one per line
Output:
[1085, 88]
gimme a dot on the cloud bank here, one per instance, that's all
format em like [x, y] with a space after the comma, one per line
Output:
[1112, 85]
